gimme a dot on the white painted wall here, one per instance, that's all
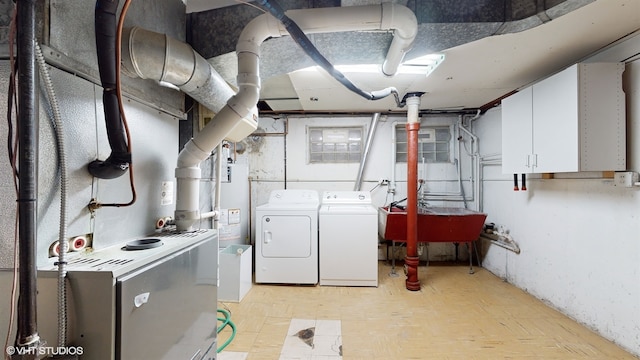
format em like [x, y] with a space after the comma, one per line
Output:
[580, 250]
[276, 162]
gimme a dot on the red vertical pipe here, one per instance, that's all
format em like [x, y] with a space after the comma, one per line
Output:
[412, 260]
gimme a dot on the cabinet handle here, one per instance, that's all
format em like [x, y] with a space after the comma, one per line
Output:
[526, 163]
[267, 237]
[535, 160]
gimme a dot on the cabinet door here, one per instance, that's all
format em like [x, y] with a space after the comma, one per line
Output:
[516, 133]
[555, 122]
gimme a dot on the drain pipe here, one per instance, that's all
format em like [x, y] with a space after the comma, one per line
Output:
[27, 334]
[367, 146]
[413, 126]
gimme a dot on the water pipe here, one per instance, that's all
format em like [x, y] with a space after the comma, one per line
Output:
[413, 126]
[391, 189]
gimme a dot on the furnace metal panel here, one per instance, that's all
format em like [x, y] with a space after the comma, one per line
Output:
[154, 138]
[76, 100]
[108, 318]
[155, 301]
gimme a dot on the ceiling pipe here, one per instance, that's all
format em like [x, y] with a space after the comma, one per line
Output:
[386, 16]
[413, 126]
[399, 48]
[367, 147]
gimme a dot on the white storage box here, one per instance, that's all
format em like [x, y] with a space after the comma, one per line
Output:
[235, 272]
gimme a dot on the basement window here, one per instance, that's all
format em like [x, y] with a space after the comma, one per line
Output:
[433, 144]
[335, 144]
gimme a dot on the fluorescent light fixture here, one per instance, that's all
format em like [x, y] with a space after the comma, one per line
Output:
[421, 65]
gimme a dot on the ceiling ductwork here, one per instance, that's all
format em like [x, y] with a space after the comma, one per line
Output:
[443, 25]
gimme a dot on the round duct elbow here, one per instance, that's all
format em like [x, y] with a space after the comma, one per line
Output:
[155, 56]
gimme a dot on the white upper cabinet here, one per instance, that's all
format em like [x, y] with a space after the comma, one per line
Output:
[572, 121]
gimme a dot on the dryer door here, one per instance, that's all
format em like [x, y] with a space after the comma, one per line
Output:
[286, 236]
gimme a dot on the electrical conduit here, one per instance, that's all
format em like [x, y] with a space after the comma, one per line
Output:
[62, 164]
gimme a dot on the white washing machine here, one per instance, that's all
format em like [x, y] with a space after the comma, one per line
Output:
[348, 243]
[287, 238]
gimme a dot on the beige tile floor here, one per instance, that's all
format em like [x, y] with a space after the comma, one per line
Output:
[454, 316]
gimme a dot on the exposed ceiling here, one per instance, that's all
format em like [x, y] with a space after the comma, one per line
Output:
[491, 48]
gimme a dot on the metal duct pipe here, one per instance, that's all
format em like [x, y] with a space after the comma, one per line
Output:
[156, 56]
[27, 334]
[151, 55]
[413, 126]
[238, 118]
[367, 146]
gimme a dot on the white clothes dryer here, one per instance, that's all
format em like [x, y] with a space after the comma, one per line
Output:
[287, 238]
[348, 243]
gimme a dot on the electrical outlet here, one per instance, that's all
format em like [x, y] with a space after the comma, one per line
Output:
[625, 178]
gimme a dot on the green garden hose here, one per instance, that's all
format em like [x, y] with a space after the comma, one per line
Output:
[226, 320]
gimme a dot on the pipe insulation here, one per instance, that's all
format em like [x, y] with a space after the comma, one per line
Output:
[106, 28]
[28, 125]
